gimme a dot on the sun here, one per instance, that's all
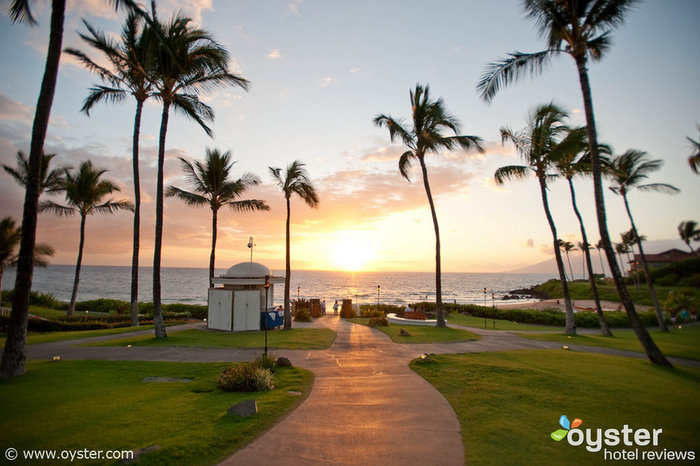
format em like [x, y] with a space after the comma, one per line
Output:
[351, 251]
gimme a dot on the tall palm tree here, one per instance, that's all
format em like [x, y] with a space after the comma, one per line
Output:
[85, 195]
[569, 164]
[211, 185]
[567, 246]
[49, 178]
[599, 246]
[688, 231]
[627, 172]
[582, 30]
[694, 158]
[10, 236]
[622, 248]
[535, 143]
[13, 357]
[430, 121]
[188, 61]
[293, 180]
[130, 61]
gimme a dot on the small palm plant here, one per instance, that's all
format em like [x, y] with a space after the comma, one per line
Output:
[430, 121]
[688, 231]
[85, 195]
[293, 180]
[627, 172]
[567, 246]
[212, 185]
[535, 144]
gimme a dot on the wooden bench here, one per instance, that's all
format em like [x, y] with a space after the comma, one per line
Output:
[415, 315]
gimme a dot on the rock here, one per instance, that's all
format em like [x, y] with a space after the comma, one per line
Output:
[283, 362]
[404, 333]
[244, 408]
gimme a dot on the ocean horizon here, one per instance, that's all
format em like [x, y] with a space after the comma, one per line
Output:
[189, 284]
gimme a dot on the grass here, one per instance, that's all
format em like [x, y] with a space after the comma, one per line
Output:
[679, 343]
[509, 403]
[104, 405]
[34, 338]
[478, 322]
[423, 334]
[296, 338]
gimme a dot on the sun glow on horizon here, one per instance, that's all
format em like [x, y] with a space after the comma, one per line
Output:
[351, 251]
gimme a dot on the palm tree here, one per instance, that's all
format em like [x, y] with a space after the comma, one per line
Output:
[535, 144]
[582, 30]
[688, 231]
[10, 236]
[599, 246]
[212, 186]
[621, 248]
[85, 193]
[130, 63]
[188, 61]
[430, 120]
[627, 172]
[567, 246]
[568, 165]
[49, 178]
[694, 158]
[13, 356]
[294, 180]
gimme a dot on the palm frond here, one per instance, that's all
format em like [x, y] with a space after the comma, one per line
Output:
[405, 162]
[396, 129]
[249, 205]
[659, 187]
[111, 206]
[191, 199]
[510, 172]
[502, 72]
[20, 12]
[57, 209]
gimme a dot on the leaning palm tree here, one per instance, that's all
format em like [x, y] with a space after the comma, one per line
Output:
[10, 236]
[570, 162]
[694, 158]
[627, 172]
[13, 357]
[211, 185]
[293, 180]
[582, 30]
[567, 246]
[188, 61]
[430, 121]
[535, 144]
[130, 62]
[688, 231]
[85, 195]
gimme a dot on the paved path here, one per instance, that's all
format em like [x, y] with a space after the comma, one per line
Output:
[366, 406]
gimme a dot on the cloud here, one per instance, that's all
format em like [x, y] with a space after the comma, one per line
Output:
[294, 7]
[530, 243]
[327, 81]
[354, 70]
[274, 54]
[13, 110]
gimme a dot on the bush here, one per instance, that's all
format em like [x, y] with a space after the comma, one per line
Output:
[378, 322]
[266, 361]
[301, 310]
[238, 378]
[668, 280]
[371, 310]
[264, 380]
[36, 298]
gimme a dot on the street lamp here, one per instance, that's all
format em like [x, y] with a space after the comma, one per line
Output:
[298, 288]
[267, 287]
[379, 289]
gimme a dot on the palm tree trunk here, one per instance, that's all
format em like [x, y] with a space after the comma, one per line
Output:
[570, 328]
[157, 306]
[2, 271]
[137, 217]
[438, 267]
[602, 267]
[604, 329]
[78, 265]
[287, 272]
[571, 271]
[13, 357]
[212, 256]
[652, 351]
[650, 282]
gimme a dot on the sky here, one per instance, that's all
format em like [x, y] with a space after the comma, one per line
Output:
[320, 71]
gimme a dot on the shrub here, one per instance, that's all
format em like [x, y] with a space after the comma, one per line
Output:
[371, 310]
[301, 314]
[378, 322]
[264, 380]
[266, 361]
[668, 280]
[238, 378]
[36, 298]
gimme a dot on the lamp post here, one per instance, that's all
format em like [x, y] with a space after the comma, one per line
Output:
[298, 288]
[484, 305]
[267, 287]
[379, 289]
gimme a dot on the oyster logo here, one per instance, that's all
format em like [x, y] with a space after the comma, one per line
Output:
[560, 434]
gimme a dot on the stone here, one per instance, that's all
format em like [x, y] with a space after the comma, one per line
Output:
[404, 333]
[244, 408]
[283, 362]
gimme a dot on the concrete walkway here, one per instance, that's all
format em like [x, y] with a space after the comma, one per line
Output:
[366, 406]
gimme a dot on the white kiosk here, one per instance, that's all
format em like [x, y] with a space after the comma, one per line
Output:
[238, 297]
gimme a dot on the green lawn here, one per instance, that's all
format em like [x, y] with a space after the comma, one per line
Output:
[500, 324]
[104, 405]
[296, 338]
[680, 343]
[509, 403]
[422, 334]
[34, 338]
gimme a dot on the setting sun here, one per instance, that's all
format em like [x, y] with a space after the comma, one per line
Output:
[351, 250]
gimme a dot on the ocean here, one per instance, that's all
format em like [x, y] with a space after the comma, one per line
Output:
[189, 285]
